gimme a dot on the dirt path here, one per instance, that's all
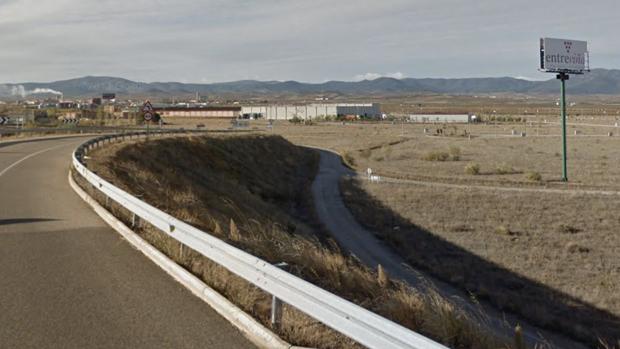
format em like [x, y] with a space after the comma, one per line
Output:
[367, 248]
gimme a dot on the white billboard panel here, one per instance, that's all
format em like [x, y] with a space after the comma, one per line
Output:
[563, 56]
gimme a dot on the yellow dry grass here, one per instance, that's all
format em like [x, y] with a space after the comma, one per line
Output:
[253, 192]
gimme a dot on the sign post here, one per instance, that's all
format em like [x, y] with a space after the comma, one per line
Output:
[563, 77]
[147, 109]
[564, 57]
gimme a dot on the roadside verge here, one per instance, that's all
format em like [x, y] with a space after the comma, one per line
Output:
[252, 329]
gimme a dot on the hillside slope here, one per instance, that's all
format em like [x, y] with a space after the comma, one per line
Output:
[253, 191]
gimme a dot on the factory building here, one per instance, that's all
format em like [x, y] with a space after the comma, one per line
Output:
[312, 111]
[442, 118]
[202, 112]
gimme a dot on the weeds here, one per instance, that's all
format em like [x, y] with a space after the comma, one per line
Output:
[533, 177]
[472, 169]
[504, 169]
[436, 156]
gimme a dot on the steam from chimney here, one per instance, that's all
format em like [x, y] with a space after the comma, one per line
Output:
[19, 90]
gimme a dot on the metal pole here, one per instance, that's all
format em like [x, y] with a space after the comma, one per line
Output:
[563, 77]
[276, 312]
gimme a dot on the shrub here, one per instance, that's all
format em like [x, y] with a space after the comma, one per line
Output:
[568, 229]
[365, 154]
[295, 120]
[533, 176]
[436, 156]
[504, 169]
[349, 159]
[455, 153]
[472, 169]
[502, 230]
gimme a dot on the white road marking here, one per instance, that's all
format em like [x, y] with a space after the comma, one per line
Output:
[28, 157]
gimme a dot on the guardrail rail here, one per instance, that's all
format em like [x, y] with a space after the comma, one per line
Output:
[363, 326]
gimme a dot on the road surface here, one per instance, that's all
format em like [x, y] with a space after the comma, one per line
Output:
[363, 244]
[67, 280]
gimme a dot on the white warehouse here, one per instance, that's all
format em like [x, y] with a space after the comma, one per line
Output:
[312, 111]
[442, 118]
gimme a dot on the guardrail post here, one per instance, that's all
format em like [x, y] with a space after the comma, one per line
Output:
[276, 304]
[276, 312]
[134, 220]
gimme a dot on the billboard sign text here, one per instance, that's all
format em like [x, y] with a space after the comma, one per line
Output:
[563, 56]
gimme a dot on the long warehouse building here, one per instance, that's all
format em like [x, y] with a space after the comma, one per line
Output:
[200, 112]
[312, 111]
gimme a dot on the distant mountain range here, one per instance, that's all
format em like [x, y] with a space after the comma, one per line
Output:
[599, 81]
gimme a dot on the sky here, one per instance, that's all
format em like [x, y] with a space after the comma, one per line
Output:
[312, 41]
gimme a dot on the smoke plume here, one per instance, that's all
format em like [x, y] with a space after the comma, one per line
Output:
[19, 90]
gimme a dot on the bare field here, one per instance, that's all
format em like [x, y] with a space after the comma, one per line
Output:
[402, 151]
[553, 258]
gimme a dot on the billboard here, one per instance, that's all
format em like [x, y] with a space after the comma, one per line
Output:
[563, 56]
[109, 96]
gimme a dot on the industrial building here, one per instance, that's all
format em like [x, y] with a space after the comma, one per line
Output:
[442, 118]
[199, 112]
[312, 111]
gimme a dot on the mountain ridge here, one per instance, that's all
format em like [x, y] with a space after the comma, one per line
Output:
[599, 81]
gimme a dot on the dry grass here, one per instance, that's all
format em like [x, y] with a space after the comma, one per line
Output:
[555, 259]
[254, 193]
[394, 150]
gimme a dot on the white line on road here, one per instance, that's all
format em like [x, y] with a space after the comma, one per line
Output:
[28, 157]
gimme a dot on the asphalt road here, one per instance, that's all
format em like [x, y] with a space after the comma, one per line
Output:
[67, 280]
[363, 244]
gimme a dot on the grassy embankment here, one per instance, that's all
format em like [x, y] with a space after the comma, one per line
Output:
[254, 192]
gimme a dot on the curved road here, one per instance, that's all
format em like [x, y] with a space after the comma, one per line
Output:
[67, 280]
[363, 244]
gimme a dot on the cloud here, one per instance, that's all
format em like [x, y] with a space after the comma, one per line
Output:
[224, 40]
[528, 78]
[374, 76]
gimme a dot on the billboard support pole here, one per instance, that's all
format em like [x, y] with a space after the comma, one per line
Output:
[563, 77]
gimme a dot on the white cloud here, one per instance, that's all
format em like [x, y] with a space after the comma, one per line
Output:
[528, 78]
[367, 76]
[374, 76]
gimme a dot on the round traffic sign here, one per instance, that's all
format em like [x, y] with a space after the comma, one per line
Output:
[148, 116]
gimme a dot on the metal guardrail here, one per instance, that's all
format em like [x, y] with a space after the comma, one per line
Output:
[73, 129]
[363, 326]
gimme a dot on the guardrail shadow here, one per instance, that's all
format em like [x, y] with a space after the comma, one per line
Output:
[25, 220]
[508, 291]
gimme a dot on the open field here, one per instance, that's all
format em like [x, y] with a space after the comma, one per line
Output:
[253, 192]
[552, 257]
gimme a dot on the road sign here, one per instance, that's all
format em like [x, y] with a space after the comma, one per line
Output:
[70, 121]
[4, 120]
[147, 107]
[148, 116]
